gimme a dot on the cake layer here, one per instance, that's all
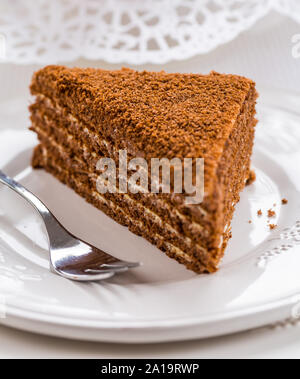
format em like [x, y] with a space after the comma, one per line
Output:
[81, 116]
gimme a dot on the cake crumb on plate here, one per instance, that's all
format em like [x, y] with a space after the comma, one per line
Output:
[272, 226]
[271, 213]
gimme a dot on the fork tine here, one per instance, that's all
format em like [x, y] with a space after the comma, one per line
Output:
[116, 267]
[121, 264]
[104, 269]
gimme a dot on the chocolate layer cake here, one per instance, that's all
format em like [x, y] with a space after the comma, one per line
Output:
[82, 115]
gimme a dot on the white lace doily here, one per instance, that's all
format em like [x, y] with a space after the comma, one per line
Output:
[127, 31]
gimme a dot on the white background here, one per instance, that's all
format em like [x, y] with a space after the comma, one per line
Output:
[263, 54]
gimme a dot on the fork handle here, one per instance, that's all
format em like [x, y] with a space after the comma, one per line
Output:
[53, 226]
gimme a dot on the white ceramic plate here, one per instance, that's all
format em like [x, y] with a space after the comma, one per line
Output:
[258, 283]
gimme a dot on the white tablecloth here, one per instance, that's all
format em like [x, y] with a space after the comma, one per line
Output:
[264, 54]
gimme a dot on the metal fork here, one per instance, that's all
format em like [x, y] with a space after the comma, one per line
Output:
[70, 257]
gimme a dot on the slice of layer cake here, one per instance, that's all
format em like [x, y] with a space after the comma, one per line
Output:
[82, 115]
